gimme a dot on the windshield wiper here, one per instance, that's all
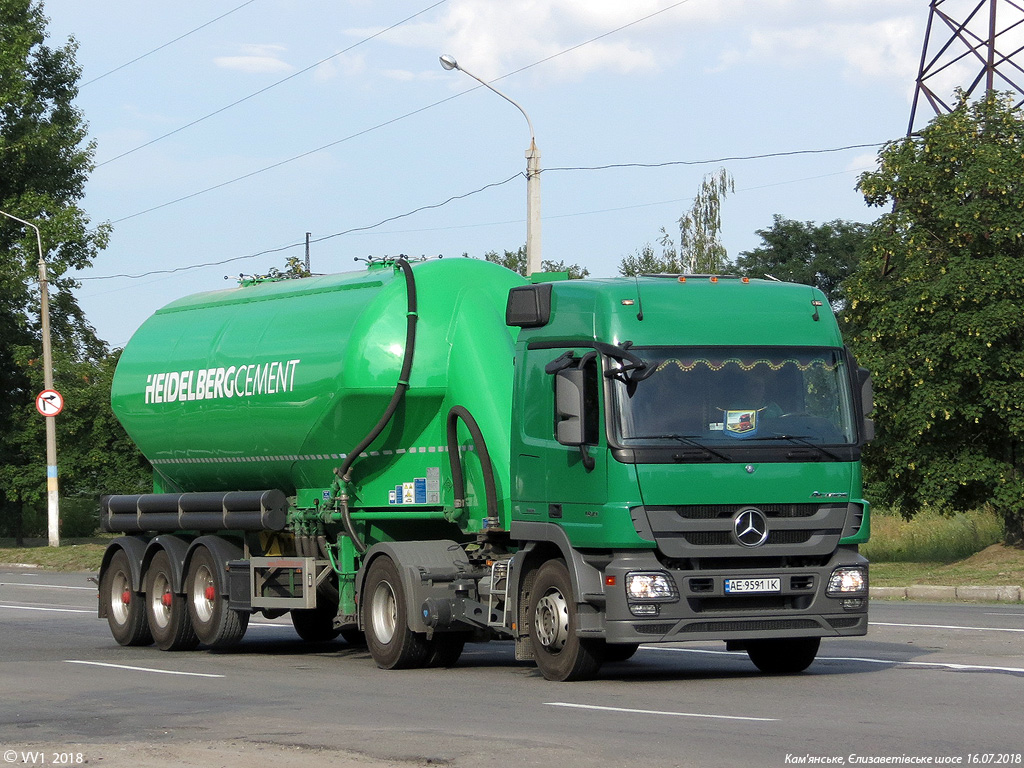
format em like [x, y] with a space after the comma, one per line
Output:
[690, 440]
[802, 440]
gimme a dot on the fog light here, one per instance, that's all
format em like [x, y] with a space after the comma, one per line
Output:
[847, 580]
[645, 609]
[854, 603]
[651, 586]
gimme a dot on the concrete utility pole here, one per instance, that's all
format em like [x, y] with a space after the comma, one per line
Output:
[533, 260]
[52, 494]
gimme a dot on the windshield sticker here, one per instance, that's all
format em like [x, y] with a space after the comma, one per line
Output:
[742, 423]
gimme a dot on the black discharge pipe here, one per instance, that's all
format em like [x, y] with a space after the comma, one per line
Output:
[455, 460]
[344, 471]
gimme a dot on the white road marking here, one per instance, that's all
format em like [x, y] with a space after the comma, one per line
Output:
[658, 712]
[888, 662]
[942, 665]
[141, 669]
[943, 626]
[42, 586]
[56, 610]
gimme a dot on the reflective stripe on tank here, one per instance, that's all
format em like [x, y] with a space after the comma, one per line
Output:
[308, 457]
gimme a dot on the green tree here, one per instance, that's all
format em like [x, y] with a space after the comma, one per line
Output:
[647, 261]
[822, 255]
[700, 249]
[46, 160]
[943, 331]
[516, 261]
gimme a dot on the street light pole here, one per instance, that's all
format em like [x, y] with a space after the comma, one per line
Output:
[533, 261]
[52, 495]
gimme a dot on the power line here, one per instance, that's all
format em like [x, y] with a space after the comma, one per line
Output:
[316, 240]
[169, 42]
[732, 158]
[610, 166]
[267, 88]
[365, 130]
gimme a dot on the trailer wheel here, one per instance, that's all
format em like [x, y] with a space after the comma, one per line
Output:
[391, 642]
[167, 612]
[783, 657]
[560, 654]
[215, 624]
[125, 608]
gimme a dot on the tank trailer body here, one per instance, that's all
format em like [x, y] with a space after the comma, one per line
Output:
[424, 454]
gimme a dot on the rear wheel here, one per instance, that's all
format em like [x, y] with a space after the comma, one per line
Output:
[446, 648]
[215, 624]
[560, 654]
[125, 608]
[166, 611]
[316, 625]
[391, 642]
[783, 657]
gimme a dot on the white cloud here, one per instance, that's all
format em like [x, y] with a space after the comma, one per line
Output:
[256, 59]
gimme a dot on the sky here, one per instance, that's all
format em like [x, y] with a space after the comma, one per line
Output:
[269, 119]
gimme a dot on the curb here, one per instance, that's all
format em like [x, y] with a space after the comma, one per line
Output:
[1002, 594]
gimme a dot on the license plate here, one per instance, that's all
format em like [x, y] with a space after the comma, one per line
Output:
[733, 586]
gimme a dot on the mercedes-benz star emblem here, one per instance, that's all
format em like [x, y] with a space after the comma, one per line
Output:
[751, 527]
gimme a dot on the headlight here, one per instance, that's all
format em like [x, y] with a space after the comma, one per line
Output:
[651, 586]
[848, 580]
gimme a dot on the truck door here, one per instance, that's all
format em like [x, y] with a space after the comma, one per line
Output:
[558, 481]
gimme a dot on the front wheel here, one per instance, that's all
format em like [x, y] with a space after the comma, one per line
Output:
[783, 657]
[125, 608]
[215, 624]
[559, 652]
[392, 644]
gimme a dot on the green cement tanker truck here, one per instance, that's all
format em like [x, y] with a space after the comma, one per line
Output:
[420, 455]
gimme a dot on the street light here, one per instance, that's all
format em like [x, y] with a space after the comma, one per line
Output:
[532, 175]
[52, 495]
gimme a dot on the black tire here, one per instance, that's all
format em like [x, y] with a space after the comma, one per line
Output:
[215, 624]
[560, 654]
[316, 625]
[392, 644]
[783, 657]
[354, 637]
[166, 611]
[446, 648]
[620, 651]
[125, 608]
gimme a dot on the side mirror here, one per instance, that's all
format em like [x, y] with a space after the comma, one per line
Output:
[569, 406]
[867, 402]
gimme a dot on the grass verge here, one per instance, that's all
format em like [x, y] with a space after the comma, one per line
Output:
[71, 555]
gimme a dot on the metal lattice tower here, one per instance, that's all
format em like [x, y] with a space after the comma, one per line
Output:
[977, 52]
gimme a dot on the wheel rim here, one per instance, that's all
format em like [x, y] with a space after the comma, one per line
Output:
[120, 588]
[160, 608]
[202, 588]
[551, 621]
[384, 612]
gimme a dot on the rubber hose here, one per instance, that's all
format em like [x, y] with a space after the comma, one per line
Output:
[400, 388]
[455, 459]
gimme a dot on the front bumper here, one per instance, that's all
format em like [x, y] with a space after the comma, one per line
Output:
[704, 610]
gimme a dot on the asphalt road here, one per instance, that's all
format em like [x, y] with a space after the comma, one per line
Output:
[930, 683]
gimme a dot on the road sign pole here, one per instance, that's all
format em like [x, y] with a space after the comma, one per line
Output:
[52, 493]
[52, 496]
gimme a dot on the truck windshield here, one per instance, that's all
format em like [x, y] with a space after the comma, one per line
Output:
[721, 395]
